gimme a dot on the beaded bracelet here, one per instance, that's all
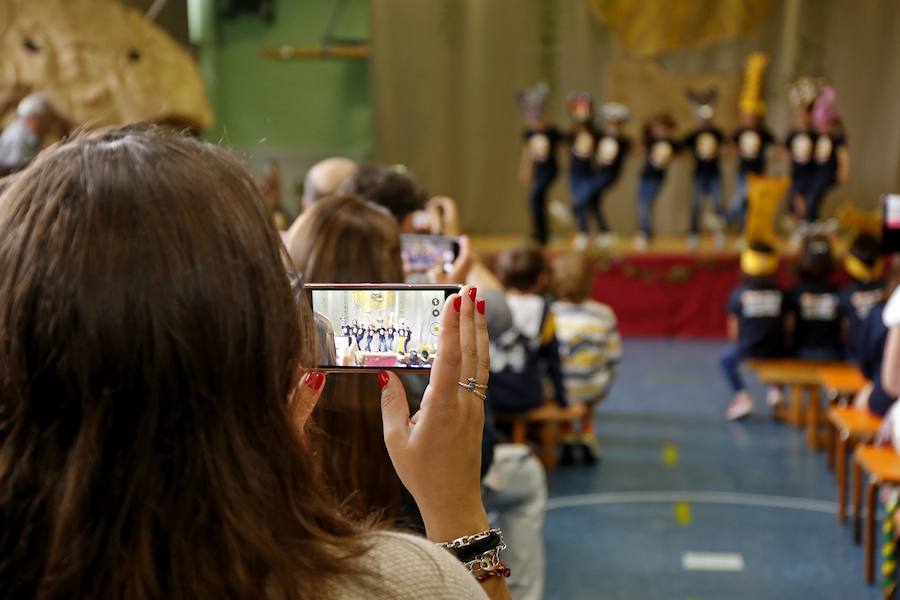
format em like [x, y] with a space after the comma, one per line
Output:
[501, 570]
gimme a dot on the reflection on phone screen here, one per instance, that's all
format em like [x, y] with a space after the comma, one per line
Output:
[423, 252]
[380, 328]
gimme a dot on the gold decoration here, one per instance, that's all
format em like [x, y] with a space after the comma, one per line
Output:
[751, 101]
[856, 220]
[99, 63]
[764, 195]
[649, 27]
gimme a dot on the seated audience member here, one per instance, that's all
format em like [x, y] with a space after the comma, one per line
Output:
[347, 240]
[515, 488]
[21, 140]
[324, 178]
[756, 324]
[866, 288]
[589, 347]
[814, 304]
[871, 340]
[388, 187]
[527, 354]
[153, 400]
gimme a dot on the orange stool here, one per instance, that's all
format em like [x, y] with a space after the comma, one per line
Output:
[883, 467]
[852, 427]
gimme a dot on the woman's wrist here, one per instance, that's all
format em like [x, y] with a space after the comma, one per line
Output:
[449, 522]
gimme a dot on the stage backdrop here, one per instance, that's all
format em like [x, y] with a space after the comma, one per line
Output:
[444, 76]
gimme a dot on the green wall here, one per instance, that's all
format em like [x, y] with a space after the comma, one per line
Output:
[294, 110]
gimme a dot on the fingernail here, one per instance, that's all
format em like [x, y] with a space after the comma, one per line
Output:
[472, 293]
[480, 307]
[314, 380]
[383, 379]
[457, 303]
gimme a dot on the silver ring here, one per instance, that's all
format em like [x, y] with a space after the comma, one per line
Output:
[476, 388]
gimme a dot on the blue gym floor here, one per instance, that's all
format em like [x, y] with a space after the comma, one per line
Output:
[676, 478]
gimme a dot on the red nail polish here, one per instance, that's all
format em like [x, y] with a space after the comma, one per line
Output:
[457, 303]
[383, 379]
[480, 307]
[315, 380]
[472, 293]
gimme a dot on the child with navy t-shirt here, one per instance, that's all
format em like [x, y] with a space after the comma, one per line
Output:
[865, 267]
[756, 323]
[814, 304]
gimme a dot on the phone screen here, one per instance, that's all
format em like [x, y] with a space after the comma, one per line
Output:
[374, 327]
[423, 252]
[890, 240]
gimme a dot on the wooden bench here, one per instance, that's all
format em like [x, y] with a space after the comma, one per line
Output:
[546, 422]
[882, 465]
[851, 427]
[804, 380]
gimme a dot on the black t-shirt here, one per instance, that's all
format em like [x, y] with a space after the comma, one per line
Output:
[752, 143]
[542, 145]
[659, 153]
[800, 146]
[817, 309]
[760, 312]
[857, 301]
[825, 155]
[706, 145]
[582, 146]
[611, 153]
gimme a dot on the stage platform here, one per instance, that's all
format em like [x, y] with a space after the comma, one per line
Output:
[669, 290]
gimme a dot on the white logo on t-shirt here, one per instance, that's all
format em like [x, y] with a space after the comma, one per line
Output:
[864, 300]
[660, 154]
[801, 148]
[761, 304]
[818, 307]
[584, 144]
[749, 143]
[823, 149]
[707, 146]
[539, 146]
[607, 150]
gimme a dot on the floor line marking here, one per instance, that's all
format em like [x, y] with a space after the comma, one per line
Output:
[712, 561]
[683, 514]
[670, 454]
[697, 497]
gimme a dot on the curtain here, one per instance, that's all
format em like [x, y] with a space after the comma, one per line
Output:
[445, 72]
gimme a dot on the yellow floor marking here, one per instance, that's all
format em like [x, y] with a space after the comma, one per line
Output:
[683, 514]
[670, 454]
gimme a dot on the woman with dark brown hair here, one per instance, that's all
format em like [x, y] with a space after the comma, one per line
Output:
[348, 240]
[149, 345]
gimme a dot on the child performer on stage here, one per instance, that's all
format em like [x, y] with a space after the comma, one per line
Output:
[753, 138]
[799, 144]
[756, 324]
[582, 146]
[815, 304]
[706, 142]
[538, 167]
[865, 266]
[832, 160]
[659, 146]
[612, 148]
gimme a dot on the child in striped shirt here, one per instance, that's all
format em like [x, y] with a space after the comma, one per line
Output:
[589, 348]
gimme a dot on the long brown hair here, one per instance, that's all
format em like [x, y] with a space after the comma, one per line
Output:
[349, 240]
[148, 343]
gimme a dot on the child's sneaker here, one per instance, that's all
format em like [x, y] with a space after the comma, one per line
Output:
[591, 447]
[693, 241]
[581, 242]
[774, 397]
[641, 242]
[740, 407]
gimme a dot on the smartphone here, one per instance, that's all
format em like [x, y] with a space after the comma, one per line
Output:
[890, 239]
[421, 253]
[372, 327]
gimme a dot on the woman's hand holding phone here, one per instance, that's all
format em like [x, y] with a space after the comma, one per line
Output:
[437, 451]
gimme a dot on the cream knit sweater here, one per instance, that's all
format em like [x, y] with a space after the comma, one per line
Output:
[412, 568]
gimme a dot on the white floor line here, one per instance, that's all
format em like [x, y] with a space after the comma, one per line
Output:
[712, 561]
[659, 497]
